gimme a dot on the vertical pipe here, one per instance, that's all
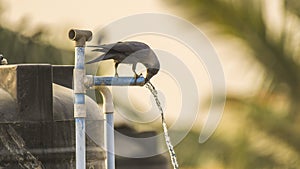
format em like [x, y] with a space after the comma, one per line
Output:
[80, 37]
[80, 143]
[110, 140]
[108, 109]
[79, 108]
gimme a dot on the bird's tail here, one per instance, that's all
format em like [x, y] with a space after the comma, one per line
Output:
[94, 46]
[97, 59]
[102, 48]
[99, 48]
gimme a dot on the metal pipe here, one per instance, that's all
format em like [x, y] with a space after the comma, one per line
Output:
[81, 83]
[80, 37]
[90, 81]
[79, 108]
[108, 109]
[110, 140]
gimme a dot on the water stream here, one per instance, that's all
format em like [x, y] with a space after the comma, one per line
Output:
[154, 92]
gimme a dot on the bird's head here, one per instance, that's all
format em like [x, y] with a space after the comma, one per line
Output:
[150, 73]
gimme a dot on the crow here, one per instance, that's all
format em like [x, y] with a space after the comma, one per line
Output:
[129, 52]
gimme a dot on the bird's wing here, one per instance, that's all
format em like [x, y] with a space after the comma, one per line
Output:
[121, 47]
[145, 56]
[109, 52]
[125, 48]
[119, 51]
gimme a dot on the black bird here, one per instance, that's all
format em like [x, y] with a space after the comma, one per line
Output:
[129, 52]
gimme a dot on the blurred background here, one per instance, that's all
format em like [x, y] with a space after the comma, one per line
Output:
[258, 43]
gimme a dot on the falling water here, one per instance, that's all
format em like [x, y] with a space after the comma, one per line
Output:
[152, 89]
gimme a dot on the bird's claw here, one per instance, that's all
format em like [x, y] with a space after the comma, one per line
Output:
[136, 76]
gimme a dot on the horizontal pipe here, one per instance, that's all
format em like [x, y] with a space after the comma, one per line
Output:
[118, 81]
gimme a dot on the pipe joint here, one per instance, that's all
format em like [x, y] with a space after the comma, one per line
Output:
[80, 36]
[79, 87]
[88, 81]
[108, 105]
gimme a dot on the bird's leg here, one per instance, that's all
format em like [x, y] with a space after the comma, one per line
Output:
[136, 76]
[133, 69]
[116, 69]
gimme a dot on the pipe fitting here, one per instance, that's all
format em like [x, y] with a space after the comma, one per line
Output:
[88, 81]
[108, 105]
[78, 79]
[80, 36]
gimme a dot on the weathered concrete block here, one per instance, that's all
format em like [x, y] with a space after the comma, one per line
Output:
[30, 86]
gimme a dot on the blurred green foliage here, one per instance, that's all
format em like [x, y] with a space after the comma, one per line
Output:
[18, 48]
[266, 132]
